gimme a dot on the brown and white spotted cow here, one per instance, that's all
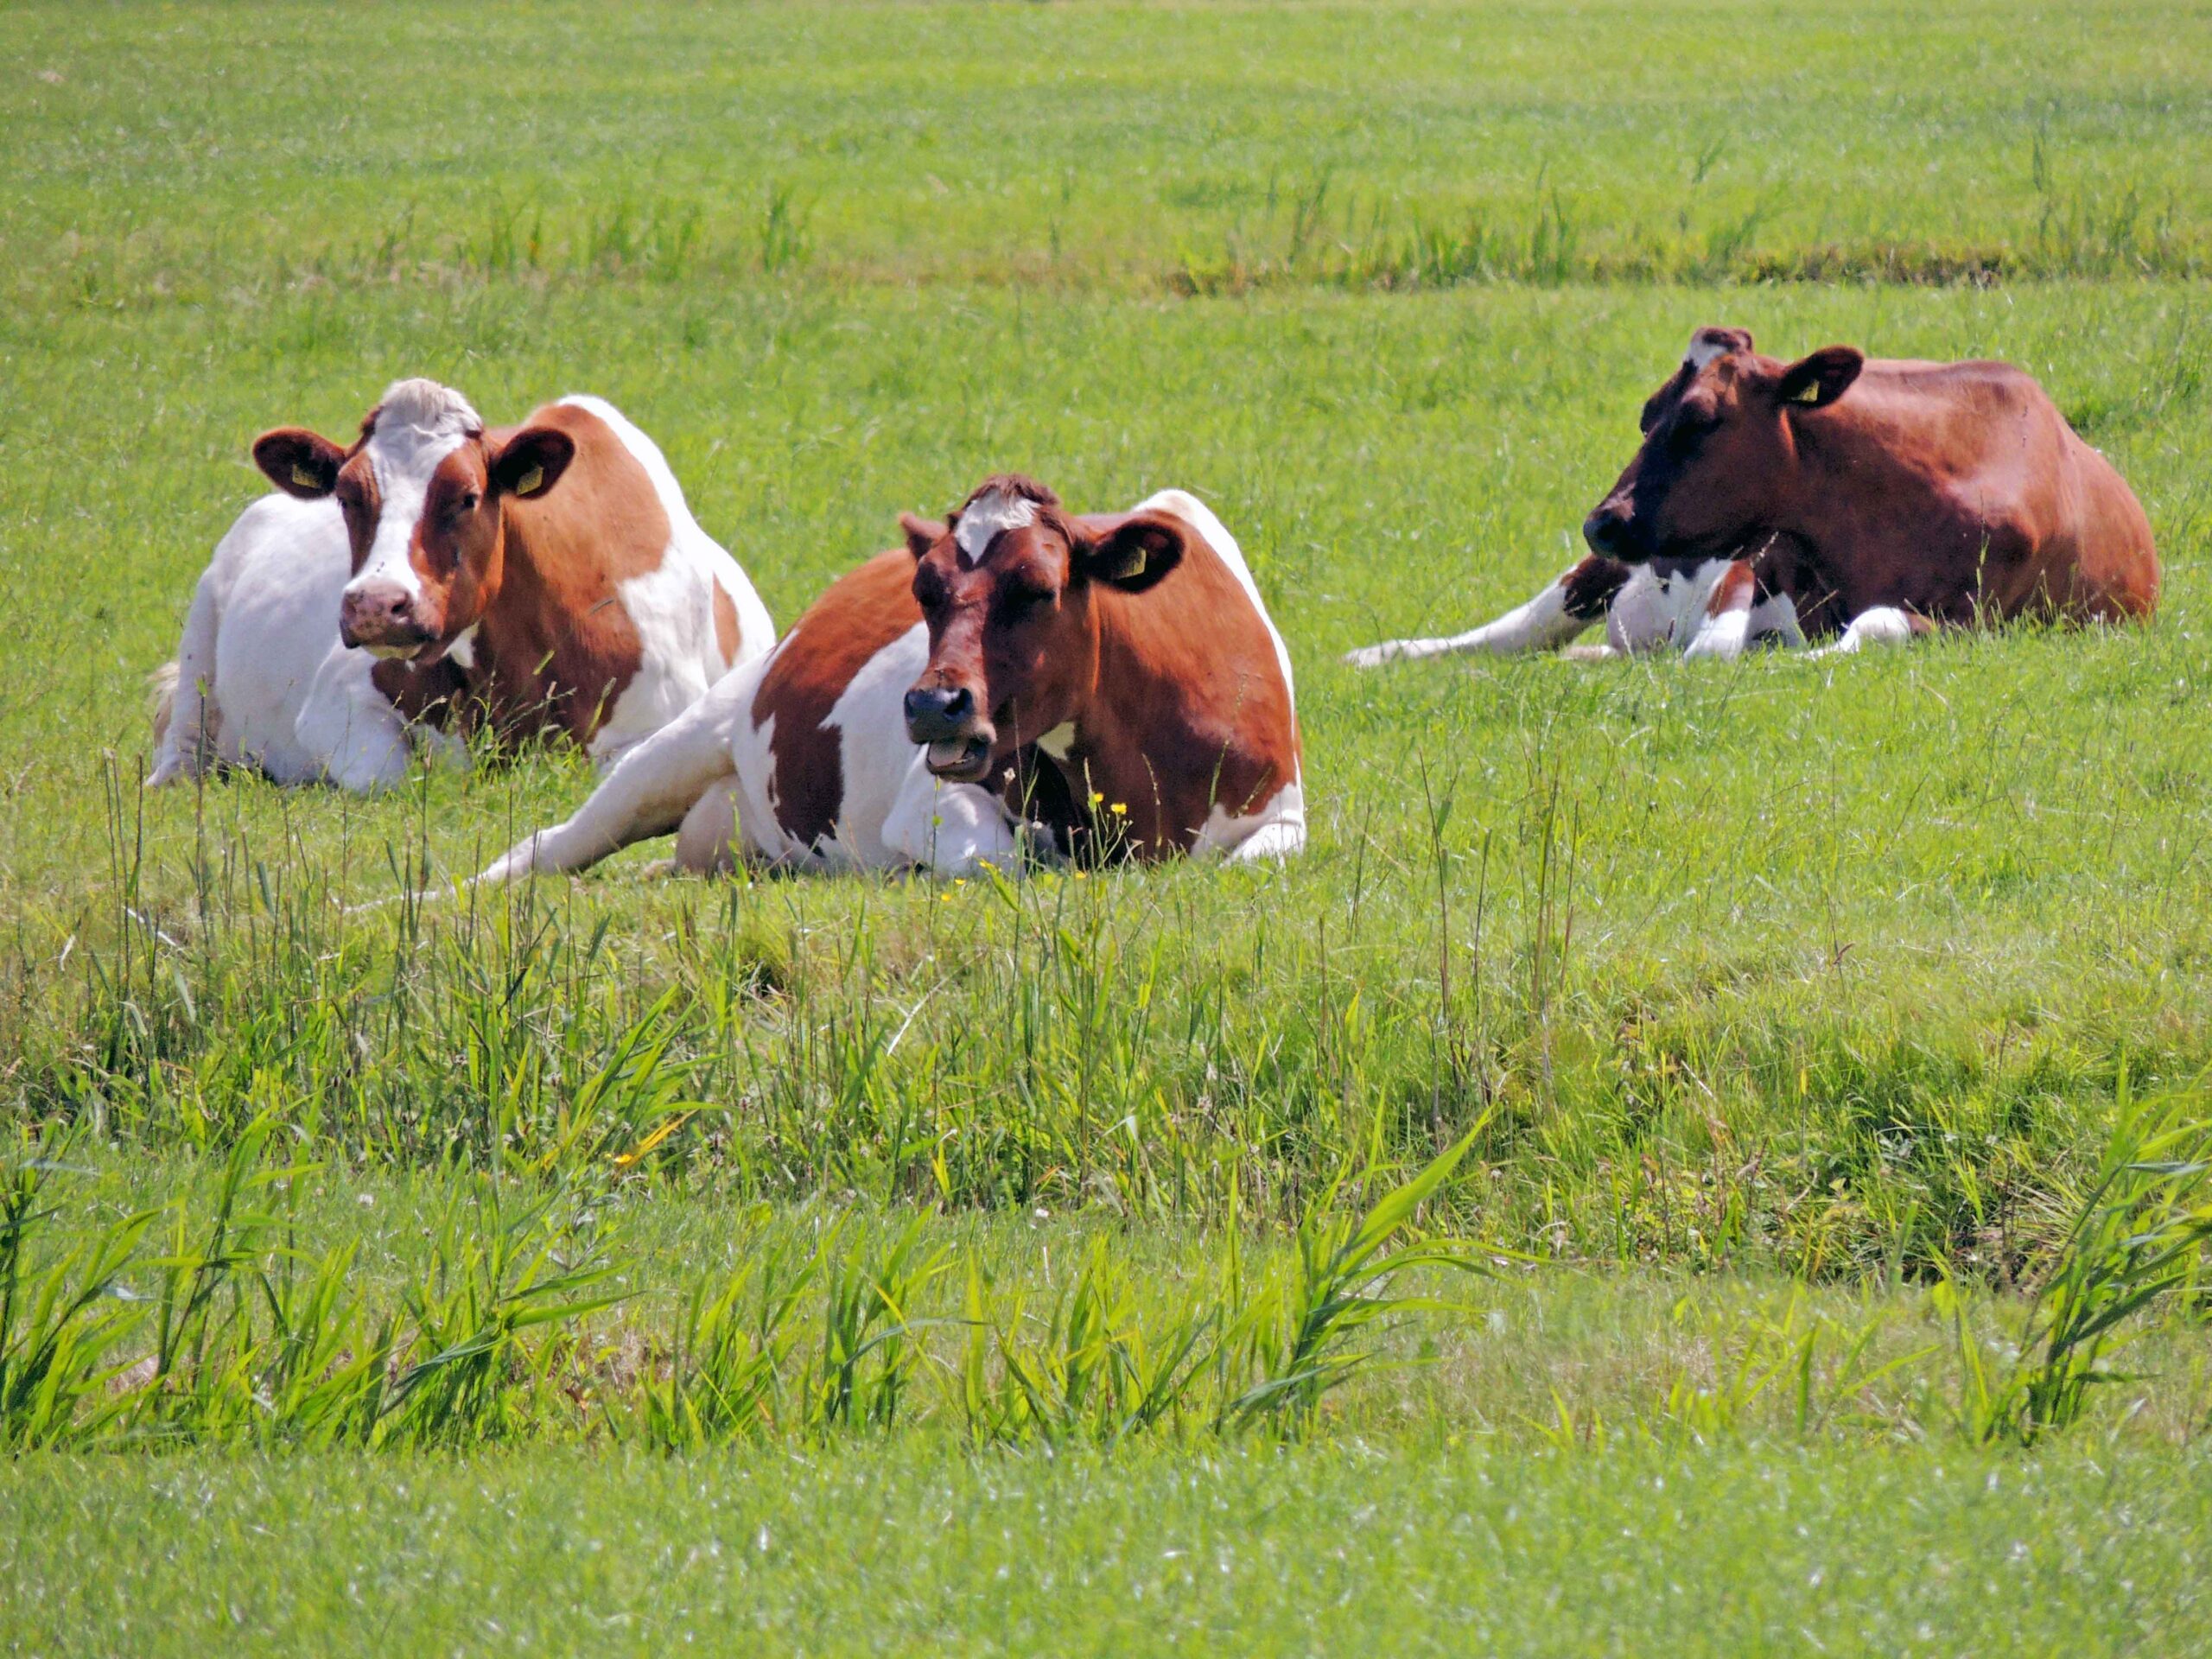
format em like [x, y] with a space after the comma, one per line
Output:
[1872, 499]
[1113, 681]
[546, 577]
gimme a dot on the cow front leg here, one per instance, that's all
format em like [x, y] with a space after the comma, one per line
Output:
[1553, 619]
[1884, 625]
[656, 786]
[350, 729]
[950, 828]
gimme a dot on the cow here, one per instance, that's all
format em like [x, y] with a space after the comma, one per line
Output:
[1841, 495]
[1014, 683]
[547, 578]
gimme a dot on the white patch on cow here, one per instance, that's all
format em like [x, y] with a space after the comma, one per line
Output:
[355, 734]
[1277, 831]
[263, 622]
[1657, 612]
[1702, 351]
[419, 423]
[1883, 624]
[1059, 740]
[894, 810]
[462, 649]
[983, 520]
[672, 606]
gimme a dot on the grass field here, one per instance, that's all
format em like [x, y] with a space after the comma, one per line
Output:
[1771, 993]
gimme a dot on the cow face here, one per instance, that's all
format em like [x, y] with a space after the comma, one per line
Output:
[1008, 587]
[1719, 439]
[424, 493]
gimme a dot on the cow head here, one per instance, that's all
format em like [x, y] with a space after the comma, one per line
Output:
[1008, 587]
[424, 493]
[1720, 440]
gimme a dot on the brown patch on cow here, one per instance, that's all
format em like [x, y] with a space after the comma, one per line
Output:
[1591, 587]
[436, 694]
[863, 611]
[555, 644]
[1189, 711]
[725, 625]
[1735, 591]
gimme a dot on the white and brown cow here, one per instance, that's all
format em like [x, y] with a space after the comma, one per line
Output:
[544, 578]
[1107, 686]
[1865, 499]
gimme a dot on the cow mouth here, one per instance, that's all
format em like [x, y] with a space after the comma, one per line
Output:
[960, 759]
[388, 649]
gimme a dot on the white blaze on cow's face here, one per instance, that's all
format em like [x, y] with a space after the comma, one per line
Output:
[983, 519]
[422, 494]
[390, 604]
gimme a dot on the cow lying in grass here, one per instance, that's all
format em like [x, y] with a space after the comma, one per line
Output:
[1103, 687]
[542, 578]
[1866, 499]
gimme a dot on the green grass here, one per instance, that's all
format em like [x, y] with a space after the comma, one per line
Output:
[1735, 1552]
[1784, 995]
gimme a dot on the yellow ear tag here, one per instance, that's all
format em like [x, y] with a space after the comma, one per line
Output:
[1132, 564]
[306, 479]
[528, 483]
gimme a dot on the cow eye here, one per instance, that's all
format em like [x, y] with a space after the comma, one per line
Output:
[466, 502]
[1691, 423]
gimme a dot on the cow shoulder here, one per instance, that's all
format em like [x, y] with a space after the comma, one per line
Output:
[863, 611]
[1212, 704]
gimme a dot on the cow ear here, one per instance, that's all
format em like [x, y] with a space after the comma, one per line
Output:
[298, 461]
[1131, 553]
[531, 463]
[922, 534]
[1820, 379]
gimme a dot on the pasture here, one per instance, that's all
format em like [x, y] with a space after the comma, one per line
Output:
[873, 1262]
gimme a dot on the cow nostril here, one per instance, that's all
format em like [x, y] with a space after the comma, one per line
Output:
[1603, 530]
[934, 711]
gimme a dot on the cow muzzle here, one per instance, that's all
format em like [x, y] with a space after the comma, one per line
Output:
[944, 721]
[380, 618]
[1611, 532]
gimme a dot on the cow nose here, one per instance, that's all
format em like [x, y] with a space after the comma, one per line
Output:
[936, 711]
[376, 611]
[1606, 530]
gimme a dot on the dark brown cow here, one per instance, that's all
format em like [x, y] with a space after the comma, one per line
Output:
[1954, 492]
[1114, 680]
[1773, 501]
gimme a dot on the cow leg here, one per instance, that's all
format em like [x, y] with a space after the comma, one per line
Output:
[1549, 620]
[1884, 625]
[1725, 627]
[1774, 622]
[950, 828]
[655, 787]
[706, 841]
[350, 728]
